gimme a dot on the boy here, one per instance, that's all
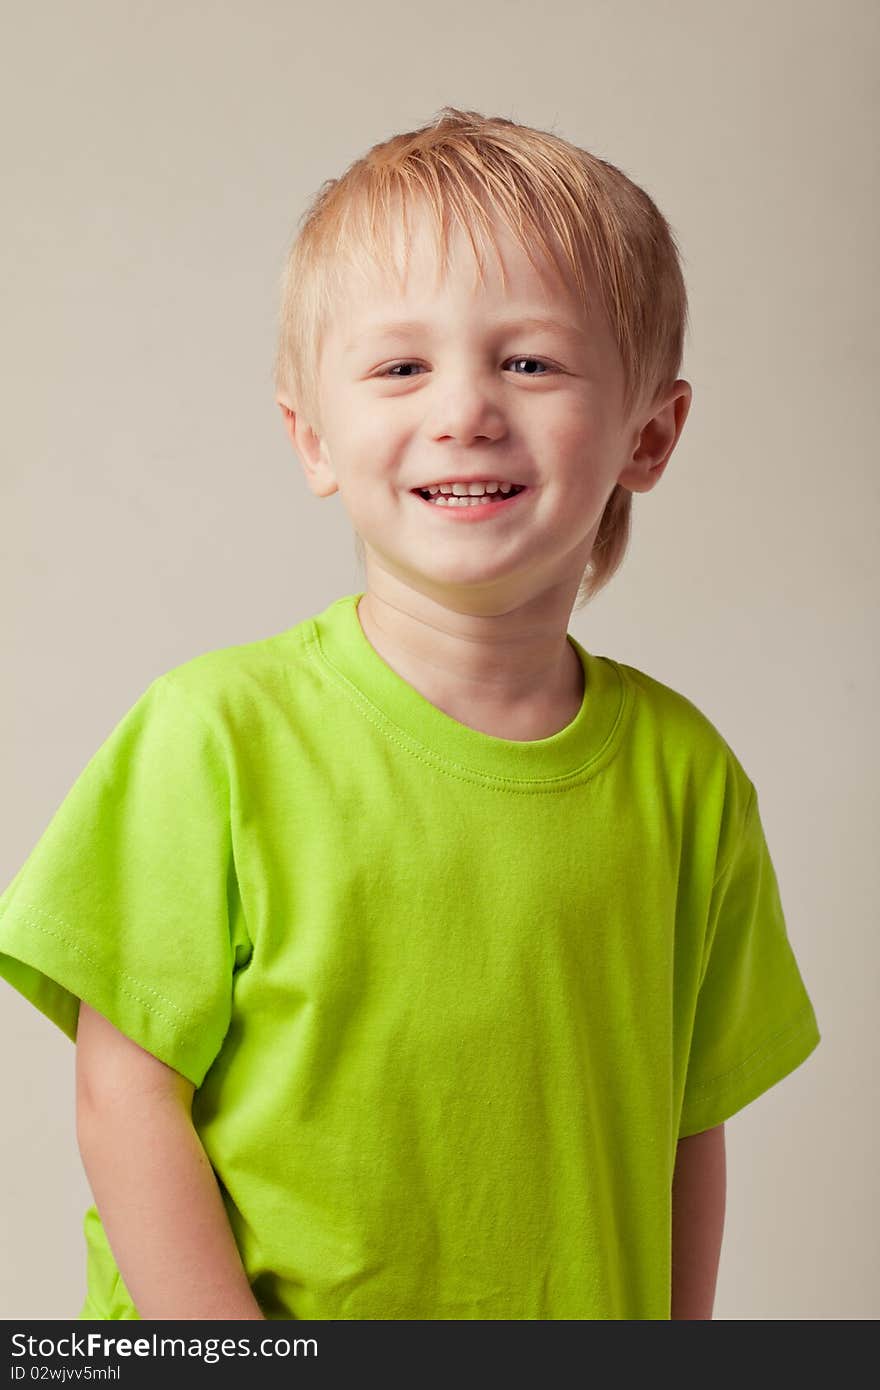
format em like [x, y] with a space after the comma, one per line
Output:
[415, 955]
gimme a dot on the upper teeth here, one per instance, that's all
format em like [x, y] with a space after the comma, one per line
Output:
[467, 489]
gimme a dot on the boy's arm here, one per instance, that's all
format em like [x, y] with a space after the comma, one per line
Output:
[154, 1187]
[699, 1191]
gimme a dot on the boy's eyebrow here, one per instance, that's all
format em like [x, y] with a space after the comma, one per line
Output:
[383, 330]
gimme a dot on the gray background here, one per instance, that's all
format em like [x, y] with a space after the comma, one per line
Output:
[156, 159]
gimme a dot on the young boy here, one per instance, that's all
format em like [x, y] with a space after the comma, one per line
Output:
[416, 955]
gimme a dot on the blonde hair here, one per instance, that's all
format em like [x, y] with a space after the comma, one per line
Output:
[591, 222]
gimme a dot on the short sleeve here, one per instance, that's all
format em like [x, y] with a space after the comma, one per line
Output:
[128, 899]
[754, 1022]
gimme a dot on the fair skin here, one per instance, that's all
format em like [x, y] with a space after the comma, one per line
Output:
[475, 617]
[153, 1184]
[699, 1191]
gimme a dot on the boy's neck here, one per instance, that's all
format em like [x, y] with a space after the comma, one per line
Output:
[515, 687]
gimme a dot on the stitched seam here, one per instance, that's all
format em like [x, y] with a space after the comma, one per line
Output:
[36, 926]
[495, 781]
[801, 1024]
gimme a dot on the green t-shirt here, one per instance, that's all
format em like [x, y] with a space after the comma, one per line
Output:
[448, 1000]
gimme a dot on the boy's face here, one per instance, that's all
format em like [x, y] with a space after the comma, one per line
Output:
[474, 392]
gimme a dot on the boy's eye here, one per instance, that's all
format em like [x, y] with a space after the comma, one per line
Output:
[537, 361]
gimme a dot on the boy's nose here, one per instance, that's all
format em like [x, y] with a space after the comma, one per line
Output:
[466, 416]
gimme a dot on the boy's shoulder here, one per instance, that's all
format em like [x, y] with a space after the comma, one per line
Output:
[666, 719]
[241, 671]
[659, 701]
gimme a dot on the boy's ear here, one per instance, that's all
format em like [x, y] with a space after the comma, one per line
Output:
[655, 438]
[310, 450]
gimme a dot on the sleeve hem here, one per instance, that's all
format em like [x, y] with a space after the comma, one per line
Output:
[711, 1103]
[54, 973]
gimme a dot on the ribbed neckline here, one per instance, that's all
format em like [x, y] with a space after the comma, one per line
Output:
[572, 754]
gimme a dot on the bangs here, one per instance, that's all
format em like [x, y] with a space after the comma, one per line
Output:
[376, 234]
